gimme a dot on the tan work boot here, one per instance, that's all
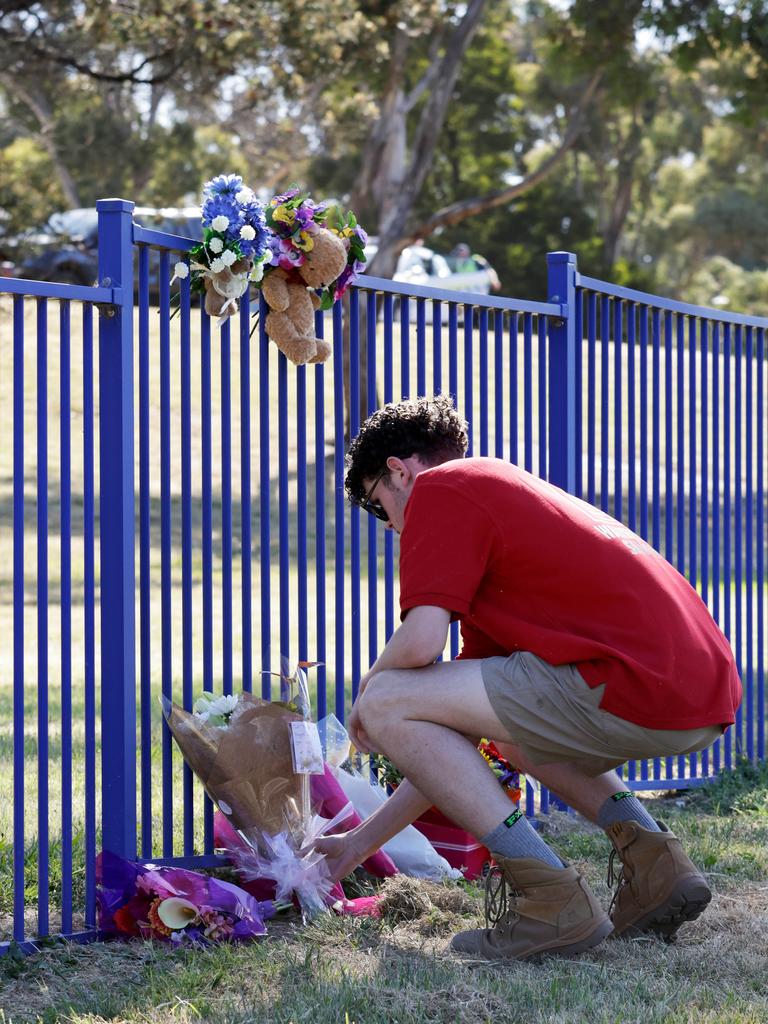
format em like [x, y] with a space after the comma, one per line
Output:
[552, 912]
[659, 887]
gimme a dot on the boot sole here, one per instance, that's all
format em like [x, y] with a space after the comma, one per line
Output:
[589, 941]
[688, 899]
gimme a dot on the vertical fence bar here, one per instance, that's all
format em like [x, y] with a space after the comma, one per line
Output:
[338, 478]
[748, 553]
[225, 342]
[185, 363]
[542, 361]
[286, 651]
[453, 390]
[561, 287]
[389, 564]
[421, 347]
[65, 474]
[437, 347]
[468, 378]
[704, 482]
[631, 473]
[742, 719]
[206, 540]
[166, 549]
[591, 398]
[264, 512]
[483, 381]
[373, 624]
[513, 388]
[680, 477]
[528, 390]
[668, 436]
[761, 542]
[618, 424]
[605, 391]
[322, 670]
[656, 428]
[246, 611]
[644, 422]
[727, 516]
[42, 617]
[354, 428]
[405, 347]
[693, 759]
[145, 540]
[302, 615]
[117, 568]
[19, 846]
[498, 384]
[579, 369]
[89, 610]
[716, 750]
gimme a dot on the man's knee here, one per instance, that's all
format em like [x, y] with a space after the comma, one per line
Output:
[381, 701]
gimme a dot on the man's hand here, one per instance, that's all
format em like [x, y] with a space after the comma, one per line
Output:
[341, 853]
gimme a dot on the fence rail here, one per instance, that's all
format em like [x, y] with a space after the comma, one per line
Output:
[202, 514]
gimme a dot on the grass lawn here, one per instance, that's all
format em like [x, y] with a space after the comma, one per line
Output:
[375, 972]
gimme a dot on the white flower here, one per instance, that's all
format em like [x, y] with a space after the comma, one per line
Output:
[227, 257]
[217, 265]
[257, 273]
[220, 223]
[215, 245]
[181, 270]
[245, 195]
[247, 232]
[223, 705]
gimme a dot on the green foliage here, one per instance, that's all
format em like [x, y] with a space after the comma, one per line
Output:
[29, 189]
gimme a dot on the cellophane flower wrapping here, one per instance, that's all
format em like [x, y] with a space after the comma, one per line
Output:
[173, 904]
[245, 763]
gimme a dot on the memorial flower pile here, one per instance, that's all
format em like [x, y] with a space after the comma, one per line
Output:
[174, 905]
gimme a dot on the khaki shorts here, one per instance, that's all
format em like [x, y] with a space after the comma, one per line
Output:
[554, 716]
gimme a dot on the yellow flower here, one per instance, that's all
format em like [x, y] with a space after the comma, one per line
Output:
[284, 215]
[304, 242]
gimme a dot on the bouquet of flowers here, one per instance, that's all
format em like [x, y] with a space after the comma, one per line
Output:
[292, 219]
[173, 904]
[507, 774]
[234, 239]
[254, 758]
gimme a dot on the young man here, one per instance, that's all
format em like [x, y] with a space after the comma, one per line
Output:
[582, 648]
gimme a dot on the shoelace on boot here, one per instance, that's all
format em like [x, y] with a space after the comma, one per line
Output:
[497, 896]
[616, 878]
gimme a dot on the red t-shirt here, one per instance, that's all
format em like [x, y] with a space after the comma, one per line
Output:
[527, 567]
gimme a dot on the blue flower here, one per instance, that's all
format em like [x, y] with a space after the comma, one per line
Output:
[221, 205]
[223, 185]
[253, 215]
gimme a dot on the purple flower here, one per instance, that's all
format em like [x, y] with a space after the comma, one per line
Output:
[361, 234]
[285, 196]
[305, 217]
[343, 281]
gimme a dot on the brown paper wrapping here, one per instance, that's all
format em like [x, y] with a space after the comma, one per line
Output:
[247, 769]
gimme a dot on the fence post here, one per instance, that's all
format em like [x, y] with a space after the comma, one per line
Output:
[561, 287]
[116, 530]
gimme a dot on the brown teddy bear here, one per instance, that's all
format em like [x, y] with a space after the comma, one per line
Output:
[290, 295]
[224, 288]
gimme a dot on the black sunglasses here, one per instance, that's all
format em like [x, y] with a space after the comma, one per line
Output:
[371, 506]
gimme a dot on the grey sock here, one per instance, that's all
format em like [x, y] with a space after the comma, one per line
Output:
[625, 806]
[514, 837]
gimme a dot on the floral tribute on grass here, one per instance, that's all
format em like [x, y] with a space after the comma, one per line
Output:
[254, 758]
[174, 905]
[235, 239]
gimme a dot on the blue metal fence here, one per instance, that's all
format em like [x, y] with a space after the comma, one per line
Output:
[220, 478]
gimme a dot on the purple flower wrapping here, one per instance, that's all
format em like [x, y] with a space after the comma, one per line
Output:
[130, 892]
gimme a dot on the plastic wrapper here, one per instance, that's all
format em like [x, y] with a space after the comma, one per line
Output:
[242, 753]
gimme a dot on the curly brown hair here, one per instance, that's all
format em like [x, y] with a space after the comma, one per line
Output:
[428, 427]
